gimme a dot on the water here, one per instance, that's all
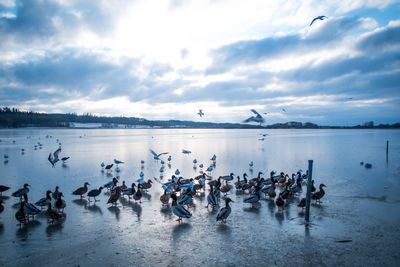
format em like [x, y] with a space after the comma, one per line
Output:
[361, 204]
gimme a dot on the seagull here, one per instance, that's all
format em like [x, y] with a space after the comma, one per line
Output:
[319, 17]
[200, 113]
[157, 156]
[258, 118]
[185, 151]
[53, 158]
[284, 110]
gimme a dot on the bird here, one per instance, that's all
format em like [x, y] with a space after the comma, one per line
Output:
[251, 164]
[53, 158]
[102, 165]
[318, 18]
[253, 199]
[169, 158]
[211, 198]
[52, 215]
[185, 151]
[280, 202]
[29, 208]
[302, 203]
[146, 185]
[228, 177]
[284, 110]
[60, 203]
[319, 194]
[177, 172]
[56, 193]
[112, 184]
[116, 161]
[1, 205]
[257, 118]
[179, 210]
[94, 193]
[44, 201]
[129, 191]
[64, 159]
[200, 113]
[224, 212]
[114, 196]
[138, 194]
[3, 188]
[81, 190]
[20, 192]
[108, 167]
[20, 215]
[157, 156]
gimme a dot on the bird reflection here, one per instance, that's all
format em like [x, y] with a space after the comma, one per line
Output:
[116, 211]
[137, 209]
[94, 208]
[81, 202]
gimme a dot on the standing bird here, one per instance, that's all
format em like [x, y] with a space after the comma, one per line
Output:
[20, 192]
[20, 215]
[319, 194]
[108, 167]
[225, 211]
[94, 193]
[44, 201]
[257, 118]
[56, 193]
[138, 194]
[280, 202]
[81, 190]
[200, 113]
[52, 215]
[115, 196]
[164, 198]
[129, 191]
[3, 188]
[302, 203]
[53, 158]
[318, 18]
[179, 210]
[60, 203]
[29, 208]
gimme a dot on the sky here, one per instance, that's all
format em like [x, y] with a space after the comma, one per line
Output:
[167, 59]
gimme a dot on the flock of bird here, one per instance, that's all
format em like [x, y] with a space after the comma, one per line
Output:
[179, 192]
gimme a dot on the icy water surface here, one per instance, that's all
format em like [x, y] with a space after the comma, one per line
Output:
[361, 206]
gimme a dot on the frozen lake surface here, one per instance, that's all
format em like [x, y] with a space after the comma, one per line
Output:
[361, 205]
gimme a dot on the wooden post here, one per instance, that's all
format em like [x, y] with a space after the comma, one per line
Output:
[308, 196]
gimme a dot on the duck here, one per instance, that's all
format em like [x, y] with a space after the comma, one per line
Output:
[60, 203]
[56, 193]
[138, 194]
[271, 192]
[253, 198]
[313, 189]
[280, 203]
[302, 203]
[112, 184]
[319, 194]
[256, 179]
[123, 186]
[3, 188]
[179, 210]
[114, 196]
[44, 201]
[81, 190]
[108, 167]
[129, 191]
[211, 199]
[228, 177]
[296, 188]
[146, 185]
[224, 212]
[20, 215]
[29, 208]
[225, 188]
[94, 193]
[186, 198]
[52, 215]
[20, 192]
[164, 198]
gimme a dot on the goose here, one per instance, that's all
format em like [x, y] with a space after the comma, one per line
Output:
[225, 211]
[44, 201]
[280, 203]
[52, 215]
[313, 189]
[114, 196]
[319, 194]
[129, 191]
[238, 184]
[60, 203]
[81, 190]
[56, 193]
[108, 167]
[20, 192]
[94, 193]
[253, 198]
[164, 198]
[179, 210]
[296, 188]
[211, 199]
[20, 215]
[3, 188]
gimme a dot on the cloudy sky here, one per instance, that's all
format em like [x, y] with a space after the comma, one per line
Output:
[165, 59]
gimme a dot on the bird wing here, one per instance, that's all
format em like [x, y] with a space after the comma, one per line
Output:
[154, 153]
[56, 153]
[248, 120]
[222, 213]
[314, 19]
[162, 153]
[50, 158]
[255, 112]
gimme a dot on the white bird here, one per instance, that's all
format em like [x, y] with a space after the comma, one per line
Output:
[53, 158]
[200, 113]
[318, 18]
[157, 156]
[185, 151]
[118, 161]
[258, 118]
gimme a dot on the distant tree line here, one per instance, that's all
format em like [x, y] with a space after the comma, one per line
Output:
[14, 118]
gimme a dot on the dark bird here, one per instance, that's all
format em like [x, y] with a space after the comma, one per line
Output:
[56, 193]
[94, 193]
[114, 196]
[29, 208]
[319, 194]
[52, 215]
[64, 159]
[1, 205]
[200, 113]
[138, 194]
[20, 192]
[318, 18]
[129, 191]
[302, 203]
[3, 188]
[257, 118]
[20, 215]
[280, 203]
[211, 198]
[44, 201]
[179, 210]
[53, 158]
[225, 211]
[81, 190]
[108, 167]
[164, 198]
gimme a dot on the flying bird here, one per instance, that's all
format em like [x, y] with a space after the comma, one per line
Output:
[257, 118]
[284, 110]
[185, 151]
[318, 18]
[53, 158]
[157, 156]
[200, 113]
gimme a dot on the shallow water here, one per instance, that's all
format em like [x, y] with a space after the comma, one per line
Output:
[361, 205]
